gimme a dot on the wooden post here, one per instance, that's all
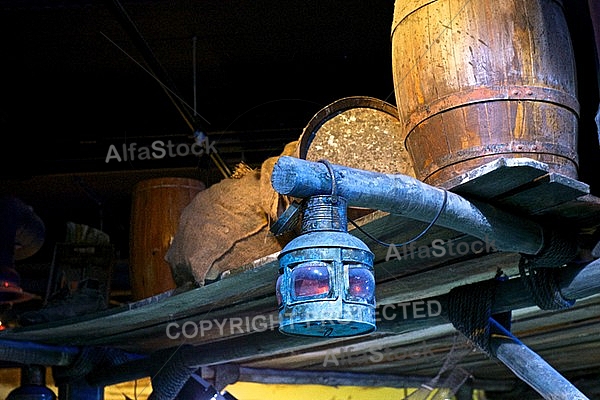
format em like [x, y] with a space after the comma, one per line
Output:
[407, 196]
[530, 367]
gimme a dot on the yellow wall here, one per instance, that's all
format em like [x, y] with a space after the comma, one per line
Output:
[256, 391]
[141, 389]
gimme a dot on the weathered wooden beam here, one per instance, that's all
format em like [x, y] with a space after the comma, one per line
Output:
[497, 177]
[574, 282]
[334, 378]
[102, 326]
[530, 367]
[510, 295]
[35, 353]
[407, 196]
[544, 193]
[287, 376]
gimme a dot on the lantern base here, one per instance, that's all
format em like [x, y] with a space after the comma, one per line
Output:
[327, 319]
[327, 328]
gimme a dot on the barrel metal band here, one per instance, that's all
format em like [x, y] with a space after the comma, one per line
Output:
[492, 93]
[496, 149]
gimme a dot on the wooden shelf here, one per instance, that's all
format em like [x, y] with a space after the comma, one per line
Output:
[518, 186]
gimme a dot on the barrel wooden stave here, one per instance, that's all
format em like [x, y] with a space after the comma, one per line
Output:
[479, 80]
[155, 212]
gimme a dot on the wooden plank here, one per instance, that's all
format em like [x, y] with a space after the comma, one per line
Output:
[132, 336]
[251, 291]
[544, 193]
[525, 186]
[144, 328]
[414, 352]
[255, 283]
[582, 213]
[440, 280]
[497, 177]
[242, 349]
[286, 375]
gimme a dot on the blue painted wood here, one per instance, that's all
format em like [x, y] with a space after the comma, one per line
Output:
[406, 196]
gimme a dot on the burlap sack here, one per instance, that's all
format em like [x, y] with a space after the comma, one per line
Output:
[227, 226]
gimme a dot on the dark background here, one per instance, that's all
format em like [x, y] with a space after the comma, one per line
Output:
[76, 78]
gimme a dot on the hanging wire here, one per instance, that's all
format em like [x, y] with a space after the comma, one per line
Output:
[382, 243]
[194, 73]
[420, 235]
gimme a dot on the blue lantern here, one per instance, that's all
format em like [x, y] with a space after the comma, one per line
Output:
[33, 385]
[326, 284]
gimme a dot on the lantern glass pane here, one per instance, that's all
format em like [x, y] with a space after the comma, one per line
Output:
[310, 279]
[361, 283]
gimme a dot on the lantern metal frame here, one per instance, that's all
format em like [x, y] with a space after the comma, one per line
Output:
[345, 305]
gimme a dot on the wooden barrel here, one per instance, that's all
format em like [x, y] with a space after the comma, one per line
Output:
[359, 132]
[155, 211]
[479, 80]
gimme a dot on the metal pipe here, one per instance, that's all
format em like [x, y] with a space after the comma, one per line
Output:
[407, 196]
[530, 367]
